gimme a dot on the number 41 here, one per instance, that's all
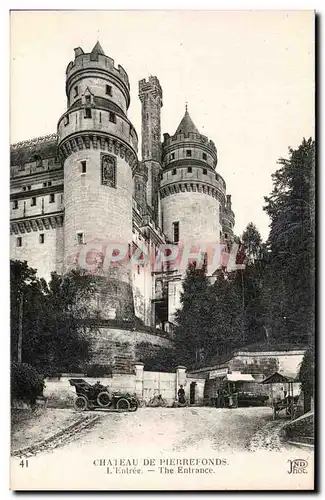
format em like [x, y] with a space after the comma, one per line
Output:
[23, 463]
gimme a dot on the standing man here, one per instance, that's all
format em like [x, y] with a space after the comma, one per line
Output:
[181, 395]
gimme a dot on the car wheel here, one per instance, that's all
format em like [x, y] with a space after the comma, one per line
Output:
[80, 403]
[122, 405]
[103, 399]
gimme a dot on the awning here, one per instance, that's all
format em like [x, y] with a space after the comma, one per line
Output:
[280, 378]
[239, 377]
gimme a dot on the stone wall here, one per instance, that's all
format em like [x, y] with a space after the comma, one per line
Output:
[144, 384]
[267, 362]
[111, 346]
[45, 257]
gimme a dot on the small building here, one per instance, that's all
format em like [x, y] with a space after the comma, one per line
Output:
[249, 367]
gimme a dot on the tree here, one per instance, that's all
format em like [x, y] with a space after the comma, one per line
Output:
[55, 318]
[226, 330]
[253, 282]
[291, 245]
[252, 242]
[193, 317]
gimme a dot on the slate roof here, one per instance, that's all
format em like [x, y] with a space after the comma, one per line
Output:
[186, 125]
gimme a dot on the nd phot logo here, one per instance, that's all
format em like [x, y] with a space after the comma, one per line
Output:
[297, 466]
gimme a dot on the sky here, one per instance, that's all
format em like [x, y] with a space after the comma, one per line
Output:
[248, 78]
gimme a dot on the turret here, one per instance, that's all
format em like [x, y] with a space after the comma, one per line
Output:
[150, 95]
[191, 191]
[98, 146]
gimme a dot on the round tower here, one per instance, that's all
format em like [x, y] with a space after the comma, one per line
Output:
[98, 145]
[191, 191]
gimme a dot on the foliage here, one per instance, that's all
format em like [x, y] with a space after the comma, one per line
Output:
[193, 322]
[252, 241]
[162, 359]
[26, 383]
[55, 318]
[290, 276]
[307, 375]
[96, 370]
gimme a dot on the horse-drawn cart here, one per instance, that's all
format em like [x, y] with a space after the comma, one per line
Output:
[90, 397]
[288, 403]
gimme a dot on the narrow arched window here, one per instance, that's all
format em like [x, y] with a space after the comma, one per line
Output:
[38, 160]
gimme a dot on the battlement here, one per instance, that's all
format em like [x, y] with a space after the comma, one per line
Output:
[152, 85]
[96, 59]
[189, 137]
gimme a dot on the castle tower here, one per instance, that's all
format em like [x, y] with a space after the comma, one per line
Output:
[150, 95]
[98, 146]
[191, 191]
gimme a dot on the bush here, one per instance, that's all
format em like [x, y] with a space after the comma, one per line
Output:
[26, 383]
[98, 371]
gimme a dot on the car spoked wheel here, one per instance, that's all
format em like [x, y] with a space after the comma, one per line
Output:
[103, 399]
[134, 404]
[122, 405]
[80, 403]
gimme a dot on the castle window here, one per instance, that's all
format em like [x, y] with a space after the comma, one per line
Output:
[49, 183]
[108, 90]
[38, 160]
[172, 156]
[76, 91]
[188, 152]
[138, 269]
[66, 120]
[19, 241]
[112, 117]
[176, 232]
[44, 184]
[100, 117]
[29, 188]
[108, 170]
[80, 238]
[83, 167]
[88, 100]
[189, 169]
[33, 201]
[205, 171]
[52, 197]
[88, 113]
[41, 238]
[226, 236]
[174, 171]
[204, 155]
[24, 188]
[15, 204]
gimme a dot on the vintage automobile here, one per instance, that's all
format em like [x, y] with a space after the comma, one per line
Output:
[94, 396]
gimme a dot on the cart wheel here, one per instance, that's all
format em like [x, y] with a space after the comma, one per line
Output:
[80, 403]
[103, 399]
[133, 404]
[122, 405]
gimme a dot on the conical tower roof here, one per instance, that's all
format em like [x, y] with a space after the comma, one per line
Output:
[186, 125]
[97, 50]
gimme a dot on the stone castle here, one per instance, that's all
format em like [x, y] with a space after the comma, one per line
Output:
[85, 187]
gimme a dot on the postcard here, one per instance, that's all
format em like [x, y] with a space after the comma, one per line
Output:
[162, 250]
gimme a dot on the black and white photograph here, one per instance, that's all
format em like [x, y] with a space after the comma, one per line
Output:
[162, 250]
